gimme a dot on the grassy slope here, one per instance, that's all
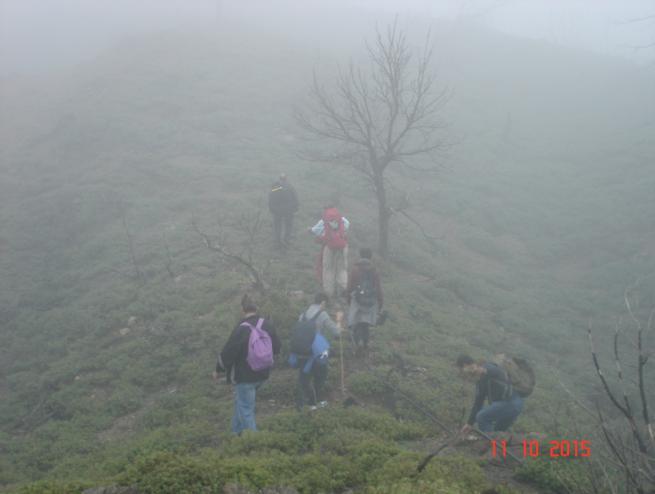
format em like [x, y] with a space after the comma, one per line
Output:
[539, 230]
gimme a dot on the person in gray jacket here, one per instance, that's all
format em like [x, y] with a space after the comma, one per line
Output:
[311, 383]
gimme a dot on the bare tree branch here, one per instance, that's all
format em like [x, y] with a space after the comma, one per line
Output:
[244, 261]
[625, 408]
[378, 115]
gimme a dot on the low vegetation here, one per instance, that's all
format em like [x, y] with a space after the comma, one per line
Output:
[106, 368]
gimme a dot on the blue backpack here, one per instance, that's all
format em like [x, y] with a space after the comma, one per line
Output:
[320, 349]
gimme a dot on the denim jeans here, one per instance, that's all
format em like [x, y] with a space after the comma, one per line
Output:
[499, 415]
[244, 407]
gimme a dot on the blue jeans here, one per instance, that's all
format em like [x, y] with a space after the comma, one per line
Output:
[499, 415]
[244, 407]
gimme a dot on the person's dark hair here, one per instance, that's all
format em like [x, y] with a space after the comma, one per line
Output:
[247, 305]
[365, 253]
[464, 360]
[321, 297]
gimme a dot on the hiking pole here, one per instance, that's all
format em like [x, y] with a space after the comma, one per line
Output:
[426, 460]
[343, 382]
[418, 406]
[452, 442]
[490, 439]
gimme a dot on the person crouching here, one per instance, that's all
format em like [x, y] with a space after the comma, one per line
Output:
[492, 385]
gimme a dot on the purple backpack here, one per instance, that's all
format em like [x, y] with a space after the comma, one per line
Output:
[260, 347]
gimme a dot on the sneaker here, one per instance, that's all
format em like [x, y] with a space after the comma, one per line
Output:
[312, 408]
[322, 404]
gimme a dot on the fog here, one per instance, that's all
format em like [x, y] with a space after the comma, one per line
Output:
[501, 189]
[38, 35]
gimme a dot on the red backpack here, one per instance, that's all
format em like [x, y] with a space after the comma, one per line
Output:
[334, 239]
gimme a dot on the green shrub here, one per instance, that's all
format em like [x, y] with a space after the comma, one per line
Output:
[166, 473]
[557, 475]
[53, 487]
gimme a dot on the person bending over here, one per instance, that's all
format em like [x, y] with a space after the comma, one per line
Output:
[492, 385]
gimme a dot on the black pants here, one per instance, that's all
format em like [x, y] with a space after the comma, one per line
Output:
[282, 226]
[360, 333]
[310, 384]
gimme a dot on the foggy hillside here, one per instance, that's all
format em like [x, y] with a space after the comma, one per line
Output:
[541, 213]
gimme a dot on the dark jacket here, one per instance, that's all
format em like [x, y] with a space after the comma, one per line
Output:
[232, 359]
[491, 386]
[282, 199]
[365, 266]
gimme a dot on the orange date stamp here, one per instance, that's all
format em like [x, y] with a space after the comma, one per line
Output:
[532, 448]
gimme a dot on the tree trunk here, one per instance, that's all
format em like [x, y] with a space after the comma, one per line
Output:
[383, 216]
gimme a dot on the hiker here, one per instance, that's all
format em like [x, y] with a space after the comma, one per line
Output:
[332, 265]
[283, 204]
[310, 351]
[493, 383]
[365, 299]
[246, 359]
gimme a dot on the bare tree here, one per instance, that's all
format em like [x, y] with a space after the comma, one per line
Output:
[238, 246]
[632, 446]
[385, 113]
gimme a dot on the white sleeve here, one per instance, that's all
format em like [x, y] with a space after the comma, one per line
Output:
[346, 223]
[318, 228]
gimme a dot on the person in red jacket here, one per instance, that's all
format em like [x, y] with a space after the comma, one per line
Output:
[365, 298]
[332, 266]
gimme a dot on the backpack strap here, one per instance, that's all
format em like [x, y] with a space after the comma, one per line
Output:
[258, 326]
[509, 390]
[314, 317]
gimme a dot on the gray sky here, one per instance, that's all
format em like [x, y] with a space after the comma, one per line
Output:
[39, 35]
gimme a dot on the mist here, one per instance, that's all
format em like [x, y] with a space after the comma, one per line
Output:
[488, 208]
[39, 36]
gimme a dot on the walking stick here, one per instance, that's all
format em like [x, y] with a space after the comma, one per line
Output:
[343, 383]
[490, 439]
[444, 445]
